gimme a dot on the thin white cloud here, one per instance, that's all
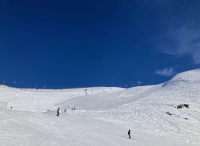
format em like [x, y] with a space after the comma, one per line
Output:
[165, 72]
[184, 42]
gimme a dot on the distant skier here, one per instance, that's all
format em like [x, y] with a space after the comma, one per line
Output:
[74, 108]
[58, 111]
[129, 134]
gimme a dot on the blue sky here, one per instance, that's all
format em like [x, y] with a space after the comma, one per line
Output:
[67, 44]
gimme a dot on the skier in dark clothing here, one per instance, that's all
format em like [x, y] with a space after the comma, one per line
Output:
[58, 112]
[129, 134]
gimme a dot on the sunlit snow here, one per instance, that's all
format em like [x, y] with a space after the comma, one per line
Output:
[104, 116]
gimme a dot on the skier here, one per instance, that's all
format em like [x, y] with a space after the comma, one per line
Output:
[58, 112]
[129, 134]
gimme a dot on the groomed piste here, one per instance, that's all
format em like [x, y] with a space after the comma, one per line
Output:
[103, 115]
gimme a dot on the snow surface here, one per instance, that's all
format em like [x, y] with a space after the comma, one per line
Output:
[104, 116]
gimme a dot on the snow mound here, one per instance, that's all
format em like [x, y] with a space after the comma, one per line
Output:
[184, 79]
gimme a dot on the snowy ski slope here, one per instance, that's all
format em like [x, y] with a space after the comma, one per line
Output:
[104, 116]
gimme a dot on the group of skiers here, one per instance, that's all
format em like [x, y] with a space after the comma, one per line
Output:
[58, 111]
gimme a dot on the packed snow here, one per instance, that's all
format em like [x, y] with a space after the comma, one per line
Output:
[104, 115]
